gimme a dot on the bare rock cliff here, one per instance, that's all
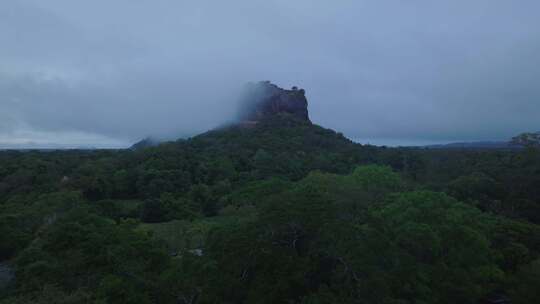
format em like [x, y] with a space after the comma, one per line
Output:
[264, 99]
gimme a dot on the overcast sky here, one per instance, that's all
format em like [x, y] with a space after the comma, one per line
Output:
[106, 73]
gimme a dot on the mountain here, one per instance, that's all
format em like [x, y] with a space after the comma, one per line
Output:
[261, 101]
[273, 136]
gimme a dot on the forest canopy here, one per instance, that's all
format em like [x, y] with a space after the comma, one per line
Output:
[284, 212]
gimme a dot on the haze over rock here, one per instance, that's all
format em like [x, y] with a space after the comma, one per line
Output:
[259, 101]
[265, 99]
[145, 143]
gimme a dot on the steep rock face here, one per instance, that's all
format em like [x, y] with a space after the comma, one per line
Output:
[264, 99]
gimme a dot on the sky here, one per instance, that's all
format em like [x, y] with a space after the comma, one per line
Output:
[105, 73]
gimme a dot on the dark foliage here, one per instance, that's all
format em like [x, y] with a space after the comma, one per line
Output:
[281, 212]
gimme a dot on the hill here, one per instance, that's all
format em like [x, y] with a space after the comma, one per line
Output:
[499, 145]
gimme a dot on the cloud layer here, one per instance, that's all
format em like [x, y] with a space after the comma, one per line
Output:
[110, 72]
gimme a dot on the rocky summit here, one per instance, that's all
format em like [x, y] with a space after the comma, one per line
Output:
[265, 99]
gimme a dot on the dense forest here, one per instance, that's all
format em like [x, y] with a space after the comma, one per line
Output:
[281, 212]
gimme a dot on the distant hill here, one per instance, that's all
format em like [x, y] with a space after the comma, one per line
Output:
[527, 139]
[477, 145]
[518, 142]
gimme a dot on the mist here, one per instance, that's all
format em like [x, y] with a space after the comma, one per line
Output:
[108, 73]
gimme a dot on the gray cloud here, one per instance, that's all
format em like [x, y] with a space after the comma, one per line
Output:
[385, 71]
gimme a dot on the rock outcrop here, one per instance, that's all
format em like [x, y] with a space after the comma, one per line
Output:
[264, 99]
